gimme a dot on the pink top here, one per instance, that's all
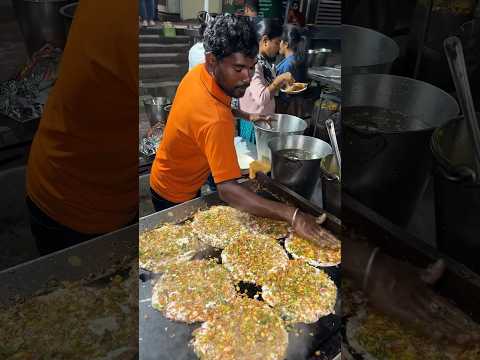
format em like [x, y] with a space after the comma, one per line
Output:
[257, 98]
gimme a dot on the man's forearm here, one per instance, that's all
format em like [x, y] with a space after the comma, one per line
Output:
[246, 200]
[241, 114]
[355, 254]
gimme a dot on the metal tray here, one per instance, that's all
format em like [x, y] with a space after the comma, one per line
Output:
[163, 339]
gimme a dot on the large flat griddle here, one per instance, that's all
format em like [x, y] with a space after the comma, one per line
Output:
[87, 262]
[163, 339]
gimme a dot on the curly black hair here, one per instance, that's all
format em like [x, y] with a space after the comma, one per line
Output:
[228, 34]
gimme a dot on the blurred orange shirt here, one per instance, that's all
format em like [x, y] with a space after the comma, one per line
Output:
[83, 165]
[198, 138]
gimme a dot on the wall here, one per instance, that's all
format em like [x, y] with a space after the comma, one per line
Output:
[190, 8]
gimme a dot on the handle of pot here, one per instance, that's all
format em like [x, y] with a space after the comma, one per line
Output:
[460, 174]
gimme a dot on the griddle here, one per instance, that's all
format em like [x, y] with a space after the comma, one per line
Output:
[87, 262]
[163, 339]
[457, 282]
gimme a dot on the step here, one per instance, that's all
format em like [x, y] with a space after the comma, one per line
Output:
[163, 58]
[144, 48]
[158, 88]
[157, 39]
[162, 72]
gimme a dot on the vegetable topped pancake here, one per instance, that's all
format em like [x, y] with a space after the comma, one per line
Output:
[251, 257]
[295, 87]
[377, 337]
[246, 329]
[191, 291]
[300, 292]
[260, 225]
[36, 328]
[218, 226]
[328, 255]
[167, 245]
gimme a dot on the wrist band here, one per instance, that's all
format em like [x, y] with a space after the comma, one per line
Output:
[369, 267]
[294, 216]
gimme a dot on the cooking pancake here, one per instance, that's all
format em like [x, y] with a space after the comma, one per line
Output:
[35, 328]
[300, 292]
[324, 256]
[260, 225]
[251, 257]
[191, 291]
[167, 245]
[218, 225]
[377, 337]
[244, 330]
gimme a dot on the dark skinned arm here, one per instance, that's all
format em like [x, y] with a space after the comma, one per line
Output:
[245, 200]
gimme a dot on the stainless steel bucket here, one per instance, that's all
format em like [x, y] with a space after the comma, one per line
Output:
[300, 175]
[41, 22]
[68, 11]
[281, 124]
[155, 109]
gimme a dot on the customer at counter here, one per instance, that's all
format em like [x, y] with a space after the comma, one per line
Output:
[259, 97]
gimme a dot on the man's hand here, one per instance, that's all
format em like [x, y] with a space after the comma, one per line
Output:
[403, 291]
[307, 227]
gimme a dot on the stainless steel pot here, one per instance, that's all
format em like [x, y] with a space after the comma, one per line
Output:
[300, 175]
[317, 57]
[366, 51]
[68, 11]
[41, 22]
[386, 163]
[281, 124]
[155, 108]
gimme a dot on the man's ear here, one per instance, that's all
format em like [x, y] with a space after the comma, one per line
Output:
[210, 60]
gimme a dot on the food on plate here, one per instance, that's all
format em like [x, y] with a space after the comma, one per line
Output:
[295, 87]
[252, 256]
[191, 291]
[218, 226]
[246, 329]
[300, 292]
[167, 245]
[315, 255]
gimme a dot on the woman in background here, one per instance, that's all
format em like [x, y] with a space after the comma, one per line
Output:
[260, 95]
[292, 47]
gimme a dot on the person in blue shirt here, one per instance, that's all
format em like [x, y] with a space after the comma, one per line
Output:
[292, 47]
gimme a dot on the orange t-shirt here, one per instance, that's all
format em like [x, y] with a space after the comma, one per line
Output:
[83, 165]
[198, 138]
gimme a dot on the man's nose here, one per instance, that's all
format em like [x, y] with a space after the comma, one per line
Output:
[248, 74]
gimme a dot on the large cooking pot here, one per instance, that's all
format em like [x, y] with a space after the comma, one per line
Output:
[296, 161]
[281, 124]
[68, 11]
[366, 51]
[387, 124]
[157, 110]
[41, 22]
[457, 195]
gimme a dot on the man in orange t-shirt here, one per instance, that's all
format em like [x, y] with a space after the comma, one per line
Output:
[82, 175]
[199, 136]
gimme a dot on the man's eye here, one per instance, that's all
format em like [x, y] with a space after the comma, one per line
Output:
[238, 69]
